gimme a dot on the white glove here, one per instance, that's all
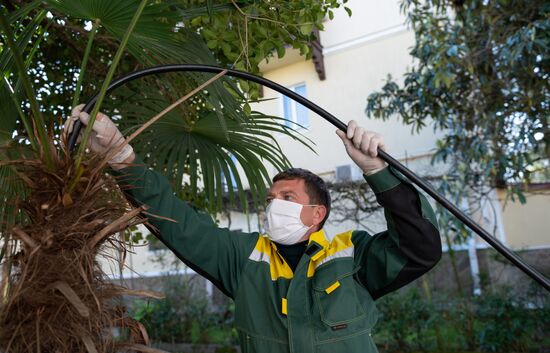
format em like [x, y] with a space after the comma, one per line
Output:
[362, 147]
[104, 136]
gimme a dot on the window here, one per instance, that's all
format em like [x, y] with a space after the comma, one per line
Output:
[295, 112]
[233, 181]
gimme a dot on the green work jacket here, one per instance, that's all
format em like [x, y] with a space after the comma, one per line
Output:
[327, 304]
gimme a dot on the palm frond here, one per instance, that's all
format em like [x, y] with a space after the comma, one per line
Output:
[112, 67]
[9, 69]
[10, 94]
[8, 112]
[155, 40]
[12, 188]
[38, 132]
[24, 35]
[23, 11]
[214, 157]
[188, 13]
[210, 139]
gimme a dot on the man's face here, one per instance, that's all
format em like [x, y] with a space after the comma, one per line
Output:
[295, 191]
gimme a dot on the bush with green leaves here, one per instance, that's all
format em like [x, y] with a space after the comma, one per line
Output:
[498, 321]
[505, 323]
[185, 314]
[253, 31]
[406, 322]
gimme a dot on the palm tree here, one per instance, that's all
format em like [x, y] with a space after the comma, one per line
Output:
[60, 212]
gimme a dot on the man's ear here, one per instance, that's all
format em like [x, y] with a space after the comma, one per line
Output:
[319, 214]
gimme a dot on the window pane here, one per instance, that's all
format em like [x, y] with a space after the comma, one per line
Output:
[233, 181]
[301, 90]
[301, 111]
[287, 109]
[232, 177]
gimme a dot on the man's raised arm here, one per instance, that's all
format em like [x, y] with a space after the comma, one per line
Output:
[216, 253]
[411, 245]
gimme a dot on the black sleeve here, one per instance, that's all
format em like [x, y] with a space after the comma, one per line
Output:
[410, 246]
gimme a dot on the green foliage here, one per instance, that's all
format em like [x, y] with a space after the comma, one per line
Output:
[12, 57]
[503, 325]
[404, 319]
[166, 32]
[499, 321]
[185, 144]
[124, 42]
[185, 315]
[481, 76]
[245, 33]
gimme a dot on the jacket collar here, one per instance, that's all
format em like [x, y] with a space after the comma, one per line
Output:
[317, 245]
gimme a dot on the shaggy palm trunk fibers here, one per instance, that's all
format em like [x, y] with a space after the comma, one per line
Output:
[56, 298]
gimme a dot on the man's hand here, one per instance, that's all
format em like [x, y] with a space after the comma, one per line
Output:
[104, 137]
[362, 147]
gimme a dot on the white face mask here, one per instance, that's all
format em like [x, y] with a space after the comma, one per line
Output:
[283, 224]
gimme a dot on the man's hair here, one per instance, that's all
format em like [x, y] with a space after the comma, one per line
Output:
[316, 188]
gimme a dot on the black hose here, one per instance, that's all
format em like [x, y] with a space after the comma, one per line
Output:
[495, 243]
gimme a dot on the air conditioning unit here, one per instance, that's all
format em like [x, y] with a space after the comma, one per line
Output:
[348, 172]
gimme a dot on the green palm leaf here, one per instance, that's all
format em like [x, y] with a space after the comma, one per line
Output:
[12, 188]
[8, 112]
[23, 11]
[210, 139]
[11, 82]
[198, 146]
[154, 40]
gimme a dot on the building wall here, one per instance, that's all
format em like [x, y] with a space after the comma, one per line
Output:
[359, 53]
[527, 225]
[357, 61]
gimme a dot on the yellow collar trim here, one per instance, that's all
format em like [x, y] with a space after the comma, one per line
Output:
[340, 246]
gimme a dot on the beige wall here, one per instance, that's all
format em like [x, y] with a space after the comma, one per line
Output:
[357, 64]
[527, 225]
[359, 53]
[369, 17]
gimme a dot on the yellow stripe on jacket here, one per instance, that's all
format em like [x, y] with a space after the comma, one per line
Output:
[266, 251]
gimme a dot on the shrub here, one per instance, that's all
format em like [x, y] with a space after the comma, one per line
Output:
[406, 322]
[185, 315]
[506, 323]
[498, 321]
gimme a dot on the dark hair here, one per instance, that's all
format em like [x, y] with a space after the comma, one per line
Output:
[316, 188]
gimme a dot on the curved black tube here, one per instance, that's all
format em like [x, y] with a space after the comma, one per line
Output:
[495, 243]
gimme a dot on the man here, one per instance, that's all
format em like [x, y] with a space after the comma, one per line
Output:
[296, 289]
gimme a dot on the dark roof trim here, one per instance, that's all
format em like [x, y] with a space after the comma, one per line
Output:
[317, 55]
